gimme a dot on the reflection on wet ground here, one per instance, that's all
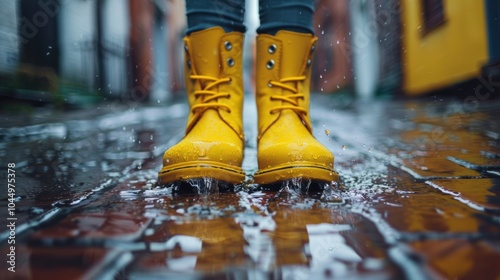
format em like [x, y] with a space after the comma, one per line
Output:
[419, 198]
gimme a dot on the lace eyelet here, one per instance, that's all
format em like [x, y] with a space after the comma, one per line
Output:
[230, 62]
[269, 84]
[308, 62]
[188, 63]
[228, 46]
[270, 64]
[272, 48]
[186, 48]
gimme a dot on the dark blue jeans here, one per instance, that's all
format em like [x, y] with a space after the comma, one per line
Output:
[275, 15]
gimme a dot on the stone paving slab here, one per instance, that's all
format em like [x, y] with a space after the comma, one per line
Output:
[477, 193]
[67, 262]
[424, 168]
[424, 210]
[459, 258]
[92, 226]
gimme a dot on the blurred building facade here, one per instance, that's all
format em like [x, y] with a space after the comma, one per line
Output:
[444, 43]
[333, 61]
[406, 47]
[80, 51]
[9, 50]
[359, 47]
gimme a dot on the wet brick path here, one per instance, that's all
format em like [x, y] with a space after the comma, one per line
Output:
[420, 198]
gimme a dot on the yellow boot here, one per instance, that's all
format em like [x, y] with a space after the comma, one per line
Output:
[286, 147]
[213, 144]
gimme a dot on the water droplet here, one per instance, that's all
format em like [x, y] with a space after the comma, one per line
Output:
[344, 147]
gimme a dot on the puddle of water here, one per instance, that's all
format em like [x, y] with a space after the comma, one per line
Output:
[245, 225]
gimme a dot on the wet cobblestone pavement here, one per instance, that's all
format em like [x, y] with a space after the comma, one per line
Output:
[419, 199]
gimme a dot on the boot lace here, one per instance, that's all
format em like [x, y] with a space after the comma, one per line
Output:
[210, 94]
[292, 99]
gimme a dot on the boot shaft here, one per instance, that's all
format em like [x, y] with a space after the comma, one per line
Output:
[283, 77]
[212, 53]
[286, 148]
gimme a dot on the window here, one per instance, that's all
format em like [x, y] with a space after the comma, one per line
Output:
[433, 11]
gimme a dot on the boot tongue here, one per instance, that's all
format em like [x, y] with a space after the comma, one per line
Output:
[204, 49]
[295, 51]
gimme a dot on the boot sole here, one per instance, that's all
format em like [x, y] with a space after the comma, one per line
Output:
[290, 171]
[199, 170]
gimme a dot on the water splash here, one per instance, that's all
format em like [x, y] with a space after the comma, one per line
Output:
[200, 186]
[290, 188]
[332, 192]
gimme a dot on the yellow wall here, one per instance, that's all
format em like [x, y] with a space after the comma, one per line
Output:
[453, 52]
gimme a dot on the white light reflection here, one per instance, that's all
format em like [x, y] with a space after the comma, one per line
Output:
[187, 244]
[329, 250]
[185, 263]
[260, 247]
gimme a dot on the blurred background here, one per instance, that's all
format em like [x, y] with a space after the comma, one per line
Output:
[75, 53]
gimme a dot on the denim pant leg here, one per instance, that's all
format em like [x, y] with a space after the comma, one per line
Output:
[203, 14]
[291, 15]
